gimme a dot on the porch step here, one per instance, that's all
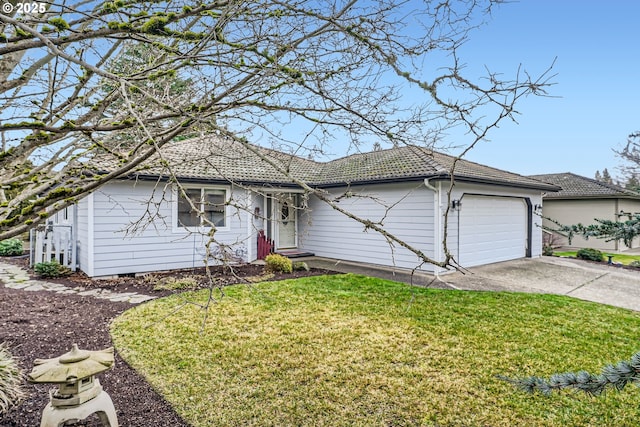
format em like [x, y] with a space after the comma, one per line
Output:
[295, 253]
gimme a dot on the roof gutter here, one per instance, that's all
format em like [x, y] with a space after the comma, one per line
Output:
[438, 175]
[221, 181]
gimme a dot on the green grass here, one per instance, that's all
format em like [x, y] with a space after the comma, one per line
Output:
[357, 351]
[617, 258]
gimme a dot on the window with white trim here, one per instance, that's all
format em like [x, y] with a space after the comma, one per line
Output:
[209, 201]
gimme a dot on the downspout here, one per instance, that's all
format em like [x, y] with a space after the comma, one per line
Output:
[437, 229]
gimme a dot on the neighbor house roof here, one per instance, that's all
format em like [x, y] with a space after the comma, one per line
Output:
[214, 158]
[579, 187]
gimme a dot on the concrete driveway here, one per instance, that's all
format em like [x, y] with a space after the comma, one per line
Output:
[592, 282]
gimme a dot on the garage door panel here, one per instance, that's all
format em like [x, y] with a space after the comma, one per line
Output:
[492, 229]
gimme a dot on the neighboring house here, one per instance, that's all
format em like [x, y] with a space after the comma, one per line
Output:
[142, 223]
[582, 200]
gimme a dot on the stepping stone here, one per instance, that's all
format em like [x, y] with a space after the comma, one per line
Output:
[16, 278]
[121, 297]
[140, 299]
[17, 285]
[91, 293]
[54, 287]
[35, 287]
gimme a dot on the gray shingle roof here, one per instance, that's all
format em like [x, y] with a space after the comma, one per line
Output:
[413, 162]
[579, 187]
[213, 158]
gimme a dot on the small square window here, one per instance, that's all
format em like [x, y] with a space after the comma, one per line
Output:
[211, 202]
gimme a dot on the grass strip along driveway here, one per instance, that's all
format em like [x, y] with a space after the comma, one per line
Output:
[349, 350]
[615, 257]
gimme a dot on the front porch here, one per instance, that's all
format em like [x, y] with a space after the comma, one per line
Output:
[267, 246]
[278, 214]
[295, 253]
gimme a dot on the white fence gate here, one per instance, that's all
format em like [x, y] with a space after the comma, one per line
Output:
[53, 243]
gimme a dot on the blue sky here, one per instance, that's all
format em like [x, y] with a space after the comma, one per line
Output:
[597, 90]
[594, 101]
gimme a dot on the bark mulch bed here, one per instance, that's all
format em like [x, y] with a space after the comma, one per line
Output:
[43, 324]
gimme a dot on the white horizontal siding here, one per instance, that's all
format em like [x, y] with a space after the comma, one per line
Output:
[323, 230]
[406, 211]
[451, 221]
[119, 248]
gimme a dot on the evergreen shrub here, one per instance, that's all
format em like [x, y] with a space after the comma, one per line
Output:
[590, 254]
[278, 263]
[50, 269]
[11, 247]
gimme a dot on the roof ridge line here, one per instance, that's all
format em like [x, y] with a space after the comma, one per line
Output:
[428, 157]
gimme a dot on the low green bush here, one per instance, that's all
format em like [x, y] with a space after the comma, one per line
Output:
[11, 247]
[50, 269]
[547, 250]
[276, 262]
[10, 380]
[300, 266]
[635, 264]
[590, 254]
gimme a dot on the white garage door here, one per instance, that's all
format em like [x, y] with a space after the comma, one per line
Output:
[492, 229]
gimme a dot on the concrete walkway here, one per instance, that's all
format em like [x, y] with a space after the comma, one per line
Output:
[15, 277]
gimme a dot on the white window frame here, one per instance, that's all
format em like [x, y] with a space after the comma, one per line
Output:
[177, 228]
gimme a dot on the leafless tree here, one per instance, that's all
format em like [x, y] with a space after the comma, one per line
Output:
[71, 89]
[630, 154]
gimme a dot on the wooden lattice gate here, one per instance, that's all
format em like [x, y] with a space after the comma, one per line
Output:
[53, 243]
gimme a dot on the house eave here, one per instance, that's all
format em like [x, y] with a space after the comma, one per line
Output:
[209, 181]
[498, 182]
[439, 177]
[592, 197]
[387, 180]
[390, 180]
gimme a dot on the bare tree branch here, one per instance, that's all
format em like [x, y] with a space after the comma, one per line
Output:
[124, 79]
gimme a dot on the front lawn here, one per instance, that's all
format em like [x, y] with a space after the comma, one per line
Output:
[350, 350]
[617, 258]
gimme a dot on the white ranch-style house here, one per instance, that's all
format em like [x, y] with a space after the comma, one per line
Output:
[141, 223]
